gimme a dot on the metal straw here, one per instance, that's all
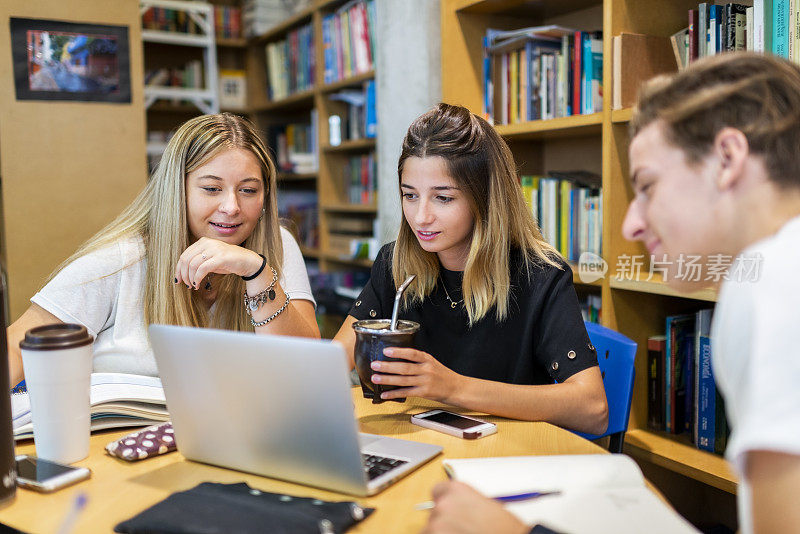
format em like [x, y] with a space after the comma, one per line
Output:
[397, 296]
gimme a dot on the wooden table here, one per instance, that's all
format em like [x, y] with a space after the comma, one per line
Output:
[118, 490]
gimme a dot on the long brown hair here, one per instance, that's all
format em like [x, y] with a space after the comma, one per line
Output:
[481, 164]
[158, 217]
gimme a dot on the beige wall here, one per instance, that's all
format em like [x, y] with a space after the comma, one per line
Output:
[67, 168]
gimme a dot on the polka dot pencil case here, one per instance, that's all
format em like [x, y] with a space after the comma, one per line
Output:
[152, 441]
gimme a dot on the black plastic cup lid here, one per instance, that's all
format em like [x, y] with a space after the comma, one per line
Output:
[56, 337]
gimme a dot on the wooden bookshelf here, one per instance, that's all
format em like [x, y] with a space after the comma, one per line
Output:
[656, 286]
[553, 128]
[677, 454]
[621, 115]
[598, 143]
[352, 145]
[327, 181]
[353, 81]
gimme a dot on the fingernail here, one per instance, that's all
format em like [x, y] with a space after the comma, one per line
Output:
[388, 352]
[375, 378]
[208, 286]
[188, 286]
[176, 280]
[194, 284]
[376, 365]
[384, 396]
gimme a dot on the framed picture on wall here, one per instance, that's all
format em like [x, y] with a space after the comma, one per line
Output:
[57, 60]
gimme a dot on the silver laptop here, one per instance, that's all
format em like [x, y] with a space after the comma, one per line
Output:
[275, 406]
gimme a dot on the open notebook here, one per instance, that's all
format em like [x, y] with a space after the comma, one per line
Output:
[598, 492]
[117, 400]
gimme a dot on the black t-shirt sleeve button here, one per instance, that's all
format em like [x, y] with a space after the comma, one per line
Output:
[358, 303]
[373, 313]
[555, 366]
[571, 355]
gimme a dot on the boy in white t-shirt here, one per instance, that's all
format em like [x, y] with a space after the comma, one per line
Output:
[715, 170]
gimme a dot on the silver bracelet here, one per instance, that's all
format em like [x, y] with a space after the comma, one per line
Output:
[271, 317]
[253, 303]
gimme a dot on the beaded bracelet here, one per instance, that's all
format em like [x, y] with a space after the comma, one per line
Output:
[252, 276]
[271, 317]
[253, 303]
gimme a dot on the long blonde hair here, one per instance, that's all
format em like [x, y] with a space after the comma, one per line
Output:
[158, 217]
[481, 164]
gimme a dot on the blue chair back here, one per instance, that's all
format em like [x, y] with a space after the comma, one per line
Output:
[615, 355]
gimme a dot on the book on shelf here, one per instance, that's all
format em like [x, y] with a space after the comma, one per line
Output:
[290, 63]
[169, 20]
[771, 26]
[297, 210]
[567, 205]
[656, 349]
[541, 73]
[260, 16]
[227, 22]
[359, 179]
[348, 40]
[232, 89]
[636, 59]
[682, 397]
[357, 118]
[295, 146]
[353, 236]
[591, 308]
[608, 490]
[117, 400]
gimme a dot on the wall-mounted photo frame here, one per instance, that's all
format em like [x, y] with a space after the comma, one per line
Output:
[57, 60]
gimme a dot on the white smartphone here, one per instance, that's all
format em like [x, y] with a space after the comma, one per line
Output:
[46, 476]
[454, 424]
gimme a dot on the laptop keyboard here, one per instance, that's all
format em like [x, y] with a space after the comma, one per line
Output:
[375, 466]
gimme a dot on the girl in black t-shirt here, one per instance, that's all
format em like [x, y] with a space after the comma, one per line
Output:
[500, 326]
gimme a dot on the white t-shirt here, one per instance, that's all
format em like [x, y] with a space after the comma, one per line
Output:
[756, 360]
[104, 291]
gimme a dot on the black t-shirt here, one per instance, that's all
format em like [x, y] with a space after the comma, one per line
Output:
[541, 341]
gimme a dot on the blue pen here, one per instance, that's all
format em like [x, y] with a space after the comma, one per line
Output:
[516, 497]
[525, 496]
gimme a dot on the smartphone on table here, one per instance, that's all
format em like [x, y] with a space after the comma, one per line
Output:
[454, 424]
[46, 476]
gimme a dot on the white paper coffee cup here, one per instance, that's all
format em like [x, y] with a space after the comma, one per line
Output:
[57, 360]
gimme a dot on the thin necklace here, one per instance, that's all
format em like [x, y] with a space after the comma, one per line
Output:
[446, 294]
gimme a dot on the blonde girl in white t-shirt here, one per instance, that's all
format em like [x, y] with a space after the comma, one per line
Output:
[203, 233]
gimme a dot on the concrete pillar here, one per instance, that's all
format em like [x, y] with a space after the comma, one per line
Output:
[408, 83]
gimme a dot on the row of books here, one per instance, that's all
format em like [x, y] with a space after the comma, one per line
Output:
[765, 26]
[681, 393]
[591, 308]
[227, 22]
[541, 72]
[359, 118]
[190, 76]
[569, 209]
[359, 179]
[296, 146]
[299, 214]
[169, 20]
[353, 236]
[348, 40]
[290, 63]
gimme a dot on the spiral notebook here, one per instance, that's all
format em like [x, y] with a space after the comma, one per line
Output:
[117, 400]
[597, 493]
